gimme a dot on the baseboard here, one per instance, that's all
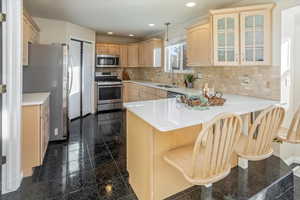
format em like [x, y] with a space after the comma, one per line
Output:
[13, 185]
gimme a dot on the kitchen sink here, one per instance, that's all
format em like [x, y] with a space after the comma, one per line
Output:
[167, 86]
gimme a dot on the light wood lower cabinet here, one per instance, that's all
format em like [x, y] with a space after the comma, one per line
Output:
[35, 135]
[135, 92]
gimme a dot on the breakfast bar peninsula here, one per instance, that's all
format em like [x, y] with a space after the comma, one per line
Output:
[155, 127]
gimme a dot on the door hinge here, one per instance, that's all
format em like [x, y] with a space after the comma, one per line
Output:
[3, 89]
[3, 160]
[2, 17]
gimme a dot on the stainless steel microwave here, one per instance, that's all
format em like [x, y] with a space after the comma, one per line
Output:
[107, 61]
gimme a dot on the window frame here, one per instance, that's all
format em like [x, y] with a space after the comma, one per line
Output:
[167, 65]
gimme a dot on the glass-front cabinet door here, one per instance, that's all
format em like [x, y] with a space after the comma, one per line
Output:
[226, 39]
[255, 38]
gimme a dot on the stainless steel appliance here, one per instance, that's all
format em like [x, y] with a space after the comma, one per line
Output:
[48, 72]
[109, 91]
[107, 61]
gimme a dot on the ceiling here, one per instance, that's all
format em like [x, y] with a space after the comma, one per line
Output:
[123, 17]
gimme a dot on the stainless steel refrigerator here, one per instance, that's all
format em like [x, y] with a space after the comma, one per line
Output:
[48, 72]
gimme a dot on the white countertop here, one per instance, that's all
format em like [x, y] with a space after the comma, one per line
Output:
[186, 91]
[30, 99]
[166, 114]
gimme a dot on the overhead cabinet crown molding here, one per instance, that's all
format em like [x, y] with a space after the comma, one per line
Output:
[243, 9]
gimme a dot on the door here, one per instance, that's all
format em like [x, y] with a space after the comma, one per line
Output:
[256, 38]
[226, 39]
[87, 78]
[75, 80]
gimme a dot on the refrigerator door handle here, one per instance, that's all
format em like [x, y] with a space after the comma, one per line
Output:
[72, 75]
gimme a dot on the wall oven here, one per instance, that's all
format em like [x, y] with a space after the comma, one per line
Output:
[107, 61]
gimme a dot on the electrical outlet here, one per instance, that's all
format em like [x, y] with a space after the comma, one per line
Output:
[245, 80]
[199, 75]
[56, 131]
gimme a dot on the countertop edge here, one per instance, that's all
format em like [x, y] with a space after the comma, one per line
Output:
[34, 99]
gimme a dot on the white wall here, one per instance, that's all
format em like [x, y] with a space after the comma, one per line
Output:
[52, 31]
[56, 31]
[81, 33]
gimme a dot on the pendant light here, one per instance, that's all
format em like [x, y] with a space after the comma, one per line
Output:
[167, 31]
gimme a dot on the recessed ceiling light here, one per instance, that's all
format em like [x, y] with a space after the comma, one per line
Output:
[110, 33]
[151, 25]
[190, 4]
[131, 35]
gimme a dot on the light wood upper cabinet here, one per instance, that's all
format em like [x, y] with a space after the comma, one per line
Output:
[107, 49]
[226, 39]
[123, 55]
[150, 53]
[256, 38]
[199, 41]
[31, 34]
[133, 55]
[242, 36]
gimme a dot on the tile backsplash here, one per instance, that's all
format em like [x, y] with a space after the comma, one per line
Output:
[256, 81]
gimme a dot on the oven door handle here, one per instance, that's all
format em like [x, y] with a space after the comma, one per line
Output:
[111, 86]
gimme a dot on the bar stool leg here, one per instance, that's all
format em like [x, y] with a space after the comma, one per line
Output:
[243, 163]
[247, 119]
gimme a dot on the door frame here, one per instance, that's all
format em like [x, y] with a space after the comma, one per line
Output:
[12, 100]
[81, 75]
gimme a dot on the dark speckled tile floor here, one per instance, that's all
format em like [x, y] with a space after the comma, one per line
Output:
[92, 166]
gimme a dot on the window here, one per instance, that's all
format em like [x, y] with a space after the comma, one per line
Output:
[175, 57]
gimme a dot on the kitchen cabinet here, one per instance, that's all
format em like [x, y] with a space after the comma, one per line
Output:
[31, 35]
[242, 36]
[133, 55]
[256, 38]
[136, 92]
[226, 39]
[123, 55]
[150, 53]
[35, 135]
[199, 39]
[108, 49]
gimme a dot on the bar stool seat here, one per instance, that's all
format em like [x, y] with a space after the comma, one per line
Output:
[181, 159]
[291, 134]
[209, 159]
[257, 145]
[243, 142]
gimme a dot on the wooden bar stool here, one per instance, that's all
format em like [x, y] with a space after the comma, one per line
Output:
[257, 145]
[208, 160]
[292, 134]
